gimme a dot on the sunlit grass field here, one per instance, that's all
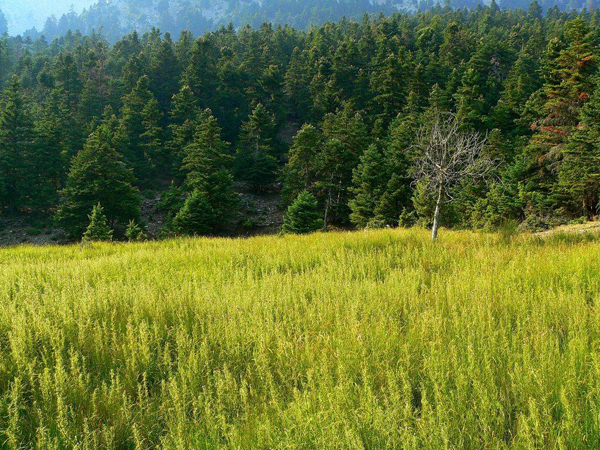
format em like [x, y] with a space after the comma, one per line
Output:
[367, 340]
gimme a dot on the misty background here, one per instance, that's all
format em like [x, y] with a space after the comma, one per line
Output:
[113, 18]
[23, 15]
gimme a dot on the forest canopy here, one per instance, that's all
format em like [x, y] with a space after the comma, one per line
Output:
[333, 112]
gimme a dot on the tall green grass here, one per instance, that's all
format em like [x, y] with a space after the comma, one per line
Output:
[364, 340]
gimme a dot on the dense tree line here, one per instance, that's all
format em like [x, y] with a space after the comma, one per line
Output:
[84, 122]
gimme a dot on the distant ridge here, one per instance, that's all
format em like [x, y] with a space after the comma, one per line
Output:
[117, 17]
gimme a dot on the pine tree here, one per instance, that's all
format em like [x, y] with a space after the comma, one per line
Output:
[303, 215]
[567, 70]
[98, 174]
[255, 163]
[165, 73]
[207, 167]
[48, 160]
[3, 24]
[199, 75]
[389, 83]
[297, 86]
[535, 10]
[346, 139]
[140, 130]
[370, 180]
[91, 103]
[196, 217]
[183, 48]
[151, 140]
[98, 230]
[132, 72]
[579, 175]
[134, 232]
[16, 145]
[300, 171]
[183, 118]
[396, 195]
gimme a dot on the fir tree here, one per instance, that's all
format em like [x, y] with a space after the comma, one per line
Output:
[16, 146]
[300, 171]
[389, 83]
[48, 160]
[346, 140]
[92, 103]
[207, 167]
[567, 70]
[132, 72]
[231, 97]
[196, 217]
[255, 163]
[297, 86]
[140, 130]
[135, 232]
[98, 230]
[151, 140]
[535, 10]
[165, 73]
[303, 215]
[396, 194]
[199, 75]
[183, 48]
[370, 181]
[5, 61]
[579, 175]
[68, 79]
[3, 24]
[98, 174]
[481, 84]
[457, 46]
[568, 85]
[524, 78]
[183, 118]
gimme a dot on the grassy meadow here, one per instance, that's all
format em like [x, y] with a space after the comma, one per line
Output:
[368, 340]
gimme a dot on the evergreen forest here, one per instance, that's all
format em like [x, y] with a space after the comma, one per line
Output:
[328, 119]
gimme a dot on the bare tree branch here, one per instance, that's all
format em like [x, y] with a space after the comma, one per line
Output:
[448, 156]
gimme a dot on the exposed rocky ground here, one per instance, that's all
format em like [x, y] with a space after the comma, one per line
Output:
[154, 219]
[584, 228]
[258, 214]
[23, 230]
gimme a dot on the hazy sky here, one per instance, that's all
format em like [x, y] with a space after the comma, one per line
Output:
[25, 14]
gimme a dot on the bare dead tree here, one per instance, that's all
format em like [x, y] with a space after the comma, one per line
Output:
[448, 156]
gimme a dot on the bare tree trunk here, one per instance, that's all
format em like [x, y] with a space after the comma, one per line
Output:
[590, 206]
[327, 206]
[328, 203]
[306, 178]
[436, 215]
[448, 156]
